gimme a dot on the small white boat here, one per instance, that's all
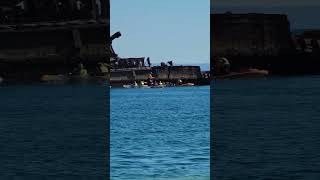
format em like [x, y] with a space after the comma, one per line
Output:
[144, 85]
[127, 86]
[135, 85]
[187, 84]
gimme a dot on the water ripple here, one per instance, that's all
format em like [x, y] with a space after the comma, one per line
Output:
[160, 133]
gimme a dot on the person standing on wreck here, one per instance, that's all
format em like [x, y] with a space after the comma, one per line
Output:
[148, 61]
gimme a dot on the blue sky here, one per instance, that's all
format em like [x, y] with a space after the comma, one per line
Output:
[163, 30]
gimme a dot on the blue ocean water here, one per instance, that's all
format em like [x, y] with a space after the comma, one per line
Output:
[160, 133]
[266, 129]
[53, 131]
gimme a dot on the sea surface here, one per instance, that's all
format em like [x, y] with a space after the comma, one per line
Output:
[266, 128]
[53, 131]
[160, 133]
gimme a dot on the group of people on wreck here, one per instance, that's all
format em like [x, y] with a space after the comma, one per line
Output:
[130, 63]
[152, 81]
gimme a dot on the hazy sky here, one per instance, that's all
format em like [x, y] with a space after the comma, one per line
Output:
[163, 30]
[301, 13]
[266, 2]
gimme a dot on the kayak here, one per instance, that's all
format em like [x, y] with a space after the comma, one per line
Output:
[130, 86]
[185, 84]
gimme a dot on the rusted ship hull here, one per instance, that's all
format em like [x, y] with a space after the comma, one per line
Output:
[51, 48]
[52, 38]
[165, 74]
